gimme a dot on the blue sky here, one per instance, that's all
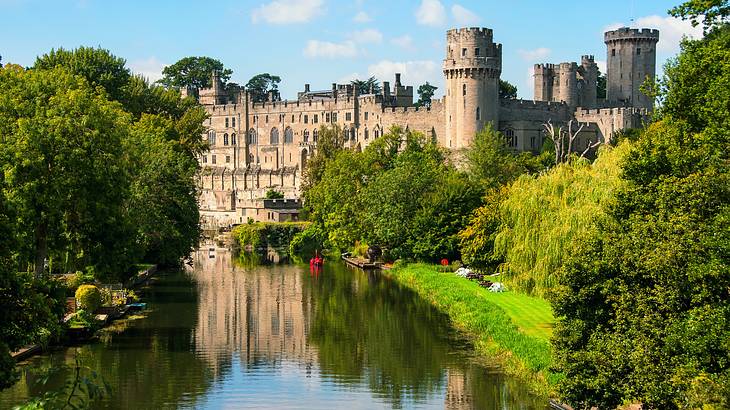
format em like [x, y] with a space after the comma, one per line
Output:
[325, 41]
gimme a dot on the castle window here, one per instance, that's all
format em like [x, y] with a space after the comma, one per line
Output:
[288, 136]
[638, 51]
[613, 52]
[225, 139]
[476, 52]
[233, 122]
[267, 119]
[212, 159]
[228, 158]
[211, 137]
[251, 139]
[479, 115]
[205, 159]
[334, 117]
[348, 116]
[353, 136]
[366, 134]
[274, 137]
[306, 118]
[533, 141]
[327, 117]
[366, 115]
[254, 118]
[226, 122]
[463, 52]
[315, 134]
[292, 118]
[316, 119]
[509, 135]
[463, 89]
[233, 139]
[306, 135]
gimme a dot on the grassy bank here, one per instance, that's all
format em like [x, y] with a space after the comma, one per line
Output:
[512, 327]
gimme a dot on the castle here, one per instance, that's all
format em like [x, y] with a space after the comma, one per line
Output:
[255, 147]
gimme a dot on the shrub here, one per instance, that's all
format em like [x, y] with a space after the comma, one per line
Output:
[88, 297]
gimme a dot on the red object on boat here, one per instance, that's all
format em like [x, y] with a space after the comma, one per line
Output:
[444, 262]
[316, 261]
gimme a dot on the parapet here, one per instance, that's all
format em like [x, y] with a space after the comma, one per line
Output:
[470, 32]
[625, 33]
[587, 59]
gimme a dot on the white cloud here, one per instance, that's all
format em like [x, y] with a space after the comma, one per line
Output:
[534, 55]
[464, 16]
[288, 11]
[601, 66]
[347, 79]
[326, 49]
[431, 13]
[412, 72]
[370, 35]
[362, 17]
[150, 68]
[405, 42]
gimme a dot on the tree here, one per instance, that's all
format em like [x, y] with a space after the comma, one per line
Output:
[369, 86]
[563, 141]
[601, 86]
[644, 302]
[489, 161]
[260, 85]
[709, 13]
[195, 72]
[507, 90]
[97, 65]
[425, 94]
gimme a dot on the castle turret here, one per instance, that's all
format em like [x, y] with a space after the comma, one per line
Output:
[472, 68]
[588, 86]
[631, 60]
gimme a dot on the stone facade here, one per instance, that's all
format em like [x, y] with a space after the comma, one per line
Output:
[256, 146]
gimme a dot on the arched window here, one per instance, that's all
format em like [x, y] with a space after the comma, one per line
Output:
[251, 139]
[353, 135]
[479, 114]
[233, 139]
[274, 137]
[376, 133]
[366, 134]
[463, 89]
[225, 139]
[288, 135]
[315, 134]
[306, 135]
[211, 137]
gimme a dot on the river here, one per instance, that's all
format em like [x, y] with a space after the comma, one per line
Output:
[232, 334]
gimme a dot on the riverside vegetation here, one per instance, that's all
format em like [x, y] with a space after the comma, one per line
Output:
[631, 250]
[98, 174]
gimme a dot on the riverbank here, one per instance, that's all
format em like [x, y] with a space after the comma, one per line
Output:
[513, 327]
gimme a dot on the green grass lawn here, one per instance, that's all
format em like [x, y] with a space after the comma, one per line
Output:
[511, 326]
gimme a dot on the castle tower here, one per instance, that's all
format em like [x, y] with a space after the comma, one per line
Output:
[631, 59]
[544, 74]
[472, 67]
[568, 83]
[588, 92]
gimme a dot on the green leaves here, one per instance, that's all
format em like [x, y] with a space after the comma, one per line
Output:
[195, 72]
[260, 85]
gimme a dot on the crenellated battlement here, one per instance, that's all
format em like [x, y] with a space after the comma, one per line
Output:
[587, 59]
[533, 105]
[625, 33]
[470, 32]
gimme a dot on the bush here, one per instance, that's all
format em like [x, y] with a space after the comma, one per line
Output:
[307, 241]
[361, 249]
[88, 297]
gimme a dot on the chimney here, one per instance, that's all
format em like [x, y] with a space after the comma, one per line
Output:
[306, 88]
[397, 79]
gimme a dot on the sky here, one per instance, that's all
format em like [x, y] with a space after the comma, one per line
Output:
[325, 41]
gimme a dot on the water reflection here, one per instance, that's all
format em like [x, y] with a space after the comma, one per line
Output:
[232, 334]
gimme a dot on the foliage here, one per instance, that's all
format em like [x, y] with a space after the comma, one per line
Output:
[195, 72]
[645, 301]
[476, 240]
[365, 86]
[274, 194]
[88, 298]
[709, 13]
[308, 241]
[329, 144]
[259, 86]
[601, 86]
[511, 326]
[507, 90]
[263, 234]
[541, 216]
[425, 94]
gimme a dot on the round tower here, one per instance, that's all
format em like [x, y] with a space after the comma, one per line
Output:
[631, 59]
[472, 67]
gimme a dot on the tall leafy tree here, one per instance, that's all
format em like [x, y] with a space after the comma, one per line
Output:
[260, 85]
[507, 90]
[365, 86]
[425, 94]
[195, 72]
[709, 13]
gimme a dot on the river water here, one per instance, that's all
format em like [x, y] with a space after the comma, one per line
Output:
[232, 334]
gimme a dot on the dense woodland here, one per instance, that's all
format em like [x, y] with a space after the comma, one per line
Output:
[98, 175]
[632, 248]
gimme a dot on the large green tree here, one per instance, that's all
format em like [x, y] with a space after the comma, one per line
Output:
[195, 72]
[425, 94]
[645, 302]
[507, 90]
[709, 13]
[365, 86]
[260, 85]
